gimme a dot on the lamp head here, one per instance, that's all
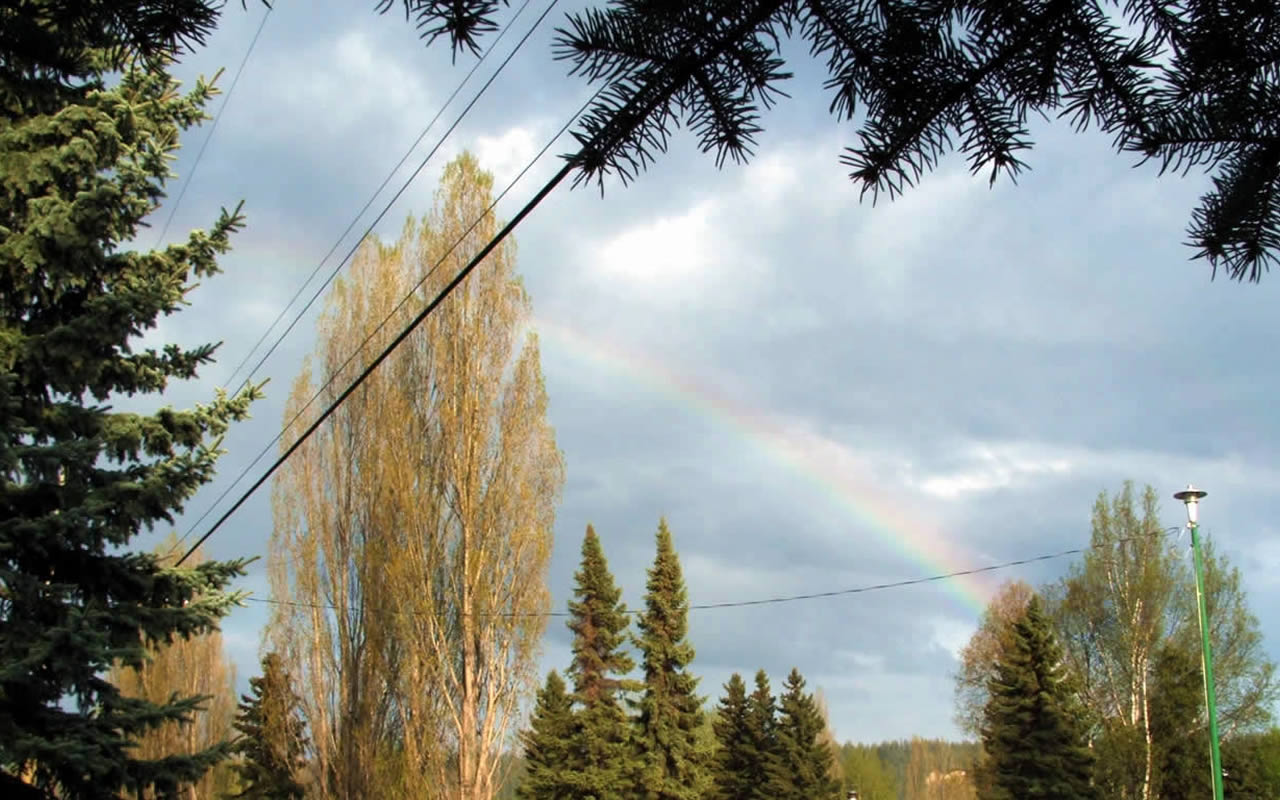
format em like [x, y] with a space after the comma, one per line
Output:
[1191, 497]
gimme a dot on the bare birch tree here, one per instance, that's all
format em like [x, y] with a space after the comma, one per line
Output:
[413, 532]
[188, 667]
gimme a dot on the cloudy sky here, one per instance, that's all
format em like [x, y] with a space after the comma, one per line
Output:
[818, 394]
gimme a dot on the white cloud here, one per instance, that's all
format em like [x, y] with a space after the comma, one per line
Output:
[507, 153]
[993, 467]
[662, 252]
[951, 634]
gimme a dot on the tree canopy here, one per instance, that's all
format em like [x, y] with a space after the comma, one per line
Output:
[79, 479]
[1032, 729]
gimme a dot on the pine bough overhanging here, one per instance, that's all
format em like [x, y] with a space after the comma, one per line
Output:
[1186, 84]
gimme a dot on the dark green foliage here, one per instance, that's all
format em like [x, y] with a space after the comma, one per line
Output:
[673, 765]
[463, 21]
[548, 744]
[604, 764]
[1179, 731]
[762, 737]
[735, 756]
[51, 52]
[80, 167]
[1187, 85]
[1251, 762]
[1033, 729]
[803, 766]
[1120, 756]
[273, 738]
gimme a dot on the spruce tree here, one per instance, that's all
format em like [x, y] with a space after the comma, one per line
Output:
[604, 768]
[1032, 727]
[1179, 730]
[89, 120]
[762, 738]
[548, 745]
[273, 738]
[673, 766]
[803, 767]
[732, 769]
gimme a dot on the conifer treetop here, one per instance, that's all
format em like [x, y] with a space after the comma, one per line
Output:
[1033, 731]
[598, 619]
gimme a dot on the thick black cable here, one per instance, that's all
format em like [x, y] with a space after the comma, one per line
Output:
[226, 98]
[605, 138]
[537, 199]
[373, 333]
[875, 587]
[368, 203]
[355, 247]
[408, 296]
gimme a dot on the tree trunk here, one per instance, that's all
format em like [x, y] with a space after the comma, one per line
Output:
[467, 735]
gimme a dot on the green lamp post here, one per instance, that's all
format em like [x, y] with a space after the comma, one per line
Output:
[1191, 497]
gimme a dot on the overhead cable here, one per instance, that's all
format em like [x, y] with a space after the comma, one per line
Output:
[368, 203]
[226, 98]
[766, 601]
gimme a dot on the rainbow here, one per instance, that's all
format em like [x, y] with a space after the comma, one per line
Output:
[826, 465]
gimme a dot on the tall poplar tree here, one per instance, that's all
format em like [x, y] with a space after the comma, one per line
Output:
[603, 758]
[1033, 729]
[89, 121]
[421, 512]
[802, 770]
[673, 765]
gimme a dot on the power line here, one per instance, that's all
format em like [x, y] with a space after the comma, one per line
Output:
[633, 113]
[378, 191]
[386, 208]
[216, 119]
[875, 587]
[546, 189]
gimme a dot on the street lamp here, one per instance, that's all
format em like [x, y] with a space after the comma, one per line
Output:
[1191, 497]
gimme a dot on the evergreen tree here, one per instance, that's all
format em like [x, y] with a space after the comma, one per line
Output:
[762, 738]
[673, 765]
[734, 759]
[1032, 729]
[1251, 763]
[1179, 730]
[548, 745]
[802, 770]
[273, 738]
[598, 618]
[84, 162]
